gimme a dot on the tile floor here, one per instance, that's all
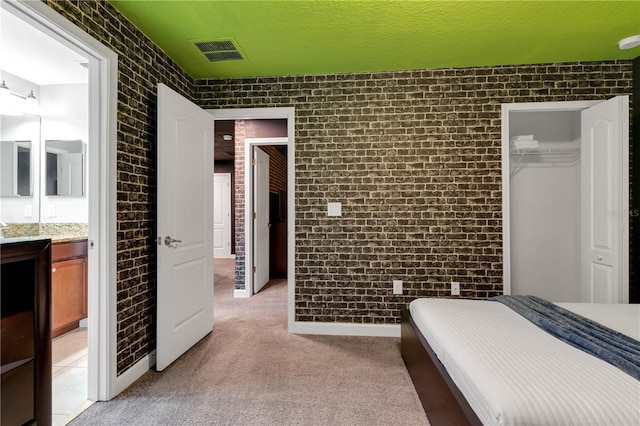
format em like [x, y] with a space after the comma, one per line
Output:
[69, 353]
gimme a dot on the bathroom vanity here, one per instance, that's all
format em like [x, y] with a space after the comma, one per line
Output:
[68, 285]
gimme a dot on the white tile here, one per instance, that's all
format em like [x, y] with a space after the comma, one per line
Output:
[69, 390]
[81, 362]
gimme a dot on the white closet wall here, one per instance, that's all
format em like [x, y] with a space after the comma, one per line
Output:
[545, 206]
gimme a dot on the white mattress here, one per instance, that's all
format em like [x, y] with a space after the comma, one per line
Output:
[513, 373]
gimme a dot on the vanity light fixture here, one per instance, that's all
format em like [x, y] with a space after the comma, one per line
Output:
[16, 105]
[8, 104]
[31, 105]
[629, 42]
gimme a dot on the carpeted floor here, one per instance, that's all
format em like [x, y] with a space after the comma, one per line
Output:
[251, 371]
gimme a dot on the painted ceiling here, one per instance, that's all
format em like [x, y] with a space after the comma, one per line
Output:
[288, 37]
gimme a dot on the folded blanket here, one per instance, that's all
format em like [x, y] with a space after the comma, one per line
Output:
[591, 337]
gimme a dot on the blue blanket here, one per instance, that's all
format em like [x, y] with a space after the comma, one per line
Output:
[609, 345]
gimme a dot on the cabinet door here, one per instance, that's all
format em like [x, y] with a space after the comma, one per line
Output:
[69, 293]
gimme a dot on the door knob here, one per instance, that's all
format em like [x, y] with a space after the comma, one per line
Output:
[599, 257]
[168, 241]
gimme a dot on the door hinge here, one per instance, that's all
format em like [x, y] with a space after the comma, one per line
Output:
[255, 269]
[254, 162]
[255, 215]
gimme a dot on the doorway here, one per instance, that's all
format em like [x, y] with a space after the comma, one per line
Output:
[565, 200]
[245, 263]
[101, 64]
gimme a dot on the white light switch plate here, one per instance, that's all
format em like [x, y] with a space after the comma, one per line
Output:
[28, 210]
[334, 209]
[52, 210]
[397, 286]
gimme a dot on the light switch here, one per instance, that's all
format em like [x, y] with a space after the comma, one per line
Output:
[334, 209]
[28, 210]
[52, 210]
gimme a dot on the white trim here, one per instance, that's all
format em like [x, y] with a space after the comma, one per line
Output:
[287, 113]
[249, 143]
[102, 227]
[346, 329]
[127, 378]
[239, 293]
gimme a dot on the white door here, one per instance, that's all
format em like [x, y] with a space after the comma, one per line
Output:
[260, 219]
[222, 215]
[185, 220]
[604, 129]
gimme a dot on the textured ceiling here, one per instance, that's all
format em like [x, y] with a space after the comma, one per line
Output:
[317, 37]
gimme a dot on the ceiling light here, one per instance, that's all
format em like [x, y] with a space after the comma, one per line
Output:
[629, 42]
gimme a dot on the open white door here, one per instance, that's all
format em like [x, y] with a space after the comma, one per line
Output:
[222, 215]
[605, 133]
[260, 219]
[185, 220]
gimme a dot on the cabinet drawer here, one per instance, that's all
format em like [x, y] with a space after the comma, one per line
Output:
[68, 250]
[17, 337]
[18, 405]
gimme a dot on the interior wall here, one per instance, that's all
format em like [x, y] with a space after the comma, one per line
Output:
[421, 148]
[634, 183]
[415, 159]
[545, 243]
[65, 116]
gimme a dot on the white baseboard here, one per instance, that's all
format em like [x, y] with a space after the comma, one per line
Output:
[346, 329]
[240, 293]
[127, 378]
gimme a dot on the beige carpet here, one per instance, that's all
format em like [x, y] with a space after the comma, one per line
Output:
[251, 371]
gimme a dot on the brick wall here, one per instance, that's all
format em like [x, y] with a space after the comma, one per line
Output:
[141, 66]
[277, 169]
[414, 157]
[239, 202]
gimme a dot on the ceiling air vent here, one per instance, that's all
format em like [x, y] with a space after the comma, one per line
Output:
[219, 50]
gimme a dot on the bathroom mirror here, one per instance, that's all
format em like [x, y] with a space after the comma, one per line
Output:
[16, 170]
[64, 165]
[17, 136]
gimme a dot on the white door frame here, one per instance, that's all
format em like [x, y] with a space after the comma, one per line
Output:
[103, 67]
[249, 188]
[287, 113]
[506, 181]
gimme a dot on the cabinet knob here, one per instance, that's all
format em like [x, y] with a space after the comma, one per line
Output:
[53, 269]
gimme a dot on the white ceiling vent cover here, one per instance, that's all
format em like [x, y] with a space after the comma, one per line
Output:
[219, 49]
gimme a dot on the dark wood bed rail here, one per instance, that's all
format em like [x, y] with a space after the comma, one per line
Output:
[442, 400]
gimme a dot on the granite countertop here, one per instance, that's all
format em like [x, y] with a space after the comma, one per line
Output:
[67, 238]
[14, 240]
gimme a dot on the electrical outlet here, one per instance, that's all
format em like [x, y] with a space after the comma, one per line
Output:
[397, 286]
[455, 288]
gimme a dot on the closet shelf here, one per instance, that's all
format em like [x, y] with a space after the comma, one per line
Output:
[544, 157]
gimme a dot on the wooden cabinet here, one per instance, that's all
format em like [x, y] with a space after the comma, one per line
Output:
[25, 334]
[68, 285]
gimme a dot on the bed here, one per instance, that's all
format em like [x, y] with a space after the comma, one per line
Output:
[480, 362]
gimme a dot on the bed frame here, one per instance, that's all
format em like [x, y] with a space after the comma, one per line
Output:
[442, 400]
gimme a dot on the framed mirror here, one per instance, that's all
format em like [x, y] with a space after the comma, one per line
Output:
[64, 165]
[16, 172]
